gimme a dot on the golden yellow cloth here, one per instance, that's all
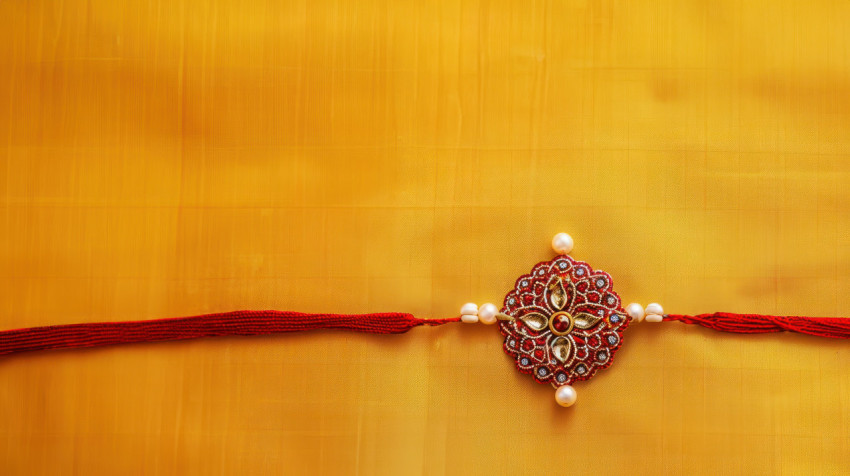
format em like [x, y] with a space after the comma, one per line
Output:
[177, 157]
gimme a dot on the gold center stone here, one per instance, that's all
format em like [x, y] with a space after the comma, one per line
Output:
[562, 319]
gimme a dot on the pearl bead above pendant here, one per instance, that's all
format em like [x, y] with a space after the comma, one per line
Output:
[566, 396]
[562, 243]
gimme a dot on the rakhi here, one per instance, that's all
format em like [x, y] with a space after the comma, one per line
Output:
[562, 323]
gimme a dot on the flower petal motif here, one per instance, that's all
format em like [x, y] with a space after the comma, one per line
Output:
[586, 321]
[562, 348]
[558, 298]
[535, 321]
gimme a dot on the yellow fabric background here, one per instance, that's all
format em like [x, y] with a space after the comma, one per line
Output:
[171, 158]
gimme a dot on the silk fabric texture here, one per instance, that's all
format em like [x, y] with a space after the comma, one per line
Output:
[175, 158]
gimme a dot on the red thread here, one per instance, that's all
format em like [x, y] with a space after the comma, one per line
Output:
[242, 323]
[833, 327]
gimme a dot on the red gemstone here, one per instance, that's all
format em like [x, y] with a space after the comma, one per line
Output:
[527, 345]
[594, 342]
[561, 324]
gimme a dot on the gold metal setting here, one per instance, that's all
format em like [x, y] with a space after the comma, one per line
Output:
[561, 317]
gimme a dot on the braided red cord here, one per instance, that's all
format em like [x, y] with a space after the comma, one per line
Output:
[243, 323]
[834, 327]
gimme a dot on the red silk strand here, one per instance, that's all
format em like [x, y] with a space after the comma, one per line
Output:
[242, 323]
[833, 327]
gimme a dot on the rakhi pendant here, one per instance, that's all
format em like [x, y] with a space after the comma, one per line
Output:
[562, 323]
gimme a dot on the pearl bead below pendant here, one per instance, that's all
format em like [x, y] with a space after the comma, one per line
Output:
[566, 396]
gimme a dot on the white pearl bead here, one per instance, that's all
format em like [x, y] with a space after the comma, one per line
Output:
[635, 311]
[487, 319]
[487, 313]
[654, 318]
[654, 308]
[469, 318]
[566, 396]
[562, 243]
[469, 308]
